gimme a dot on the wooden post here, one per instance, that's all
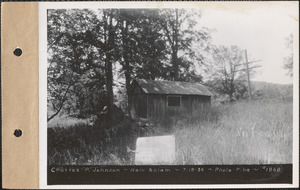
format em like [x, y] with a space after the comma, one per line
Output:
[248, 77]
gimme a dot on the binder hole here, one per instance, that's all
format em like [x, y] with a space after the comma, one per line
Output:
[18, 132]
[18, 52]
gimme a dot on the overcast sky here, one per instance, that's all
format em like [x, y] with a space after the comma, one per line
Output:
[261, 31]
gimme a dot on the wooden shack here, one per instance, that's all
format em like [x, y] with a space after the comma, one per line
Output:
[159, 99]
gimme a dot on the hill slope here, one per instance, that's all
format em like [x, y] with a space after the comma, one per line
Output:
[272, 90]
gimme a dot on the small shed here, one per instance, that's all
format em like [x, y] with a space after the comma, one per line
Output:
[159, 99]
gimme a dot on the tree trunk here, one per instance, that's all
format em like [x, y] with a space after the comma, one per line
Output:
[126, 65]
[61, 104]
[129, 102]
[108, 65]
[175, 48]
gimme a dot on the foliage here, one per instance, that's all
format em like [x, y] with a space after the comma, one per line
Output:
[75, 67]
[143, 44]
[84, 46]
[226, 76]
[186, 43]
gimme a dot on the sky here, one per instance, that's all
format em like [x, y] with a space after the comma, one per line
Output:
[262, 31]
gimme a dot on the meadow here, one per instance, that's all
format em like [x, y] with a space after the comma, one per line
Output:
[246, 132]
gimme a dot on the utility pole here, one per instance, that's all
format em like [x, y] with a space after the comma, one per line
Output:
[248, 77]
[248, 73]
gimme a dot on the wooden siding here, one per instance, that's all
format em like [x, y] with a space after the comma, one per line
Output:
[157, 105]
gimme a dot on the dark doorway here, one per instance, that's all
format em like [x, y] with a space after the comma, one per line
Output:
[142, 106]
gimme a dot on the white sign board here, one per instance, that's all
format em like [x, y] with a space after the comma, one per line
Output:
[158, 150]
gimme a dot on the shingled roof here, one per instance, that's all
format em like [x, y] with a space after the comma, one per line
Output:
[172, 87]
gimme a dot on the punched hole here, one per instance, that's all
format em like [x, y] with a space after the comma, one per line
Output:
[18, 132]
[18, 52]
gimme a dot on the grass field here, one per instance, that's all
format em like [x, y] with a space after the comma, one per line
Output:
[257, 132]
[246, 133]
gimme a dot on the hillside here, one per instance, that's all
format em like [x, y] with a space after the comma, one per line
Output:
[271, 90]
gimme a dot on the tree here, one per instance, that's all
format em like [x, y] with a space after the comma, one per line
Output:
[83, 47]
[226, 76]
[288, 60]
[183, 40]
[151, 41]
[75, 67]
[109, 41]
[151, 47]
[143, 49]
[125, 19]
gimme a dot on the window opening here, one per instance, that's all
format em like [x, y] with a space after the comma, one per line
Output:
[174, 100]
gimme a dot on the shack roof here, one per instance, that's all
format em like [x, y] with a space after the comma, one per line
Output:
[172, 87]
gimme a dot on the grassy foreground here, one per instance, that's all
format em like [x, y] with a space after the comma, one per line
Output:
[246, 133]
[258, 132]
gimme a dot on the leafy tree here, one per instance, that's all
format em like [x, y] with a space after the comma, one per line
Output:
[152, 39]
[109, 29]
[143, 49]
[83, 46]
[128, 51]
[75, 67]
[151, 47]
[225, 72]
[186, 43]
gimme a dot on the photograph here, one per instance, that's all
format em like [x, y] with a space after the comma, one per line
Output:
[170, 86]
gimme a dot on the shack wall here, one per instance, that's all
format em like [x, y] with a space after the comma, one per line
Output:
[157, 105]
[139, 103]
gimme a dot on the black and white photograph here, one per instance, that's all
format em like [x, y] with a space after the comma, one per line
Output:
[134, 87]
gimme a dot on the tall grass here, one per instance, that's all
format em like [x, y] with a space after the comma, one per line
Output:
[246, 133]
[101, 144]
[241, 133]
[67, 121]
